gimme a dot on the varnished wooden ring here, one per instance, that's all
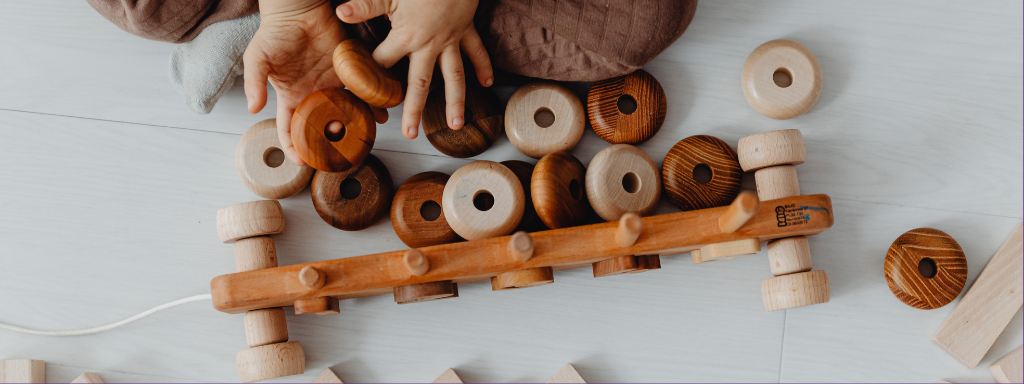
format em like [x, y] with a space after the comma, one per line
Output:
[356, 68]
[626, 264]
[523, 278]
[412, 211]
[524, 172]
[623, 178]
[612, 123]
[483, 199]
[696, 155]
[484, 122]
[262, 167]
[326, 151]
[781, 79]
[557, 186]
[525, 113]
[347, 210]
[769, 149]
[418, 293]
[925, 268]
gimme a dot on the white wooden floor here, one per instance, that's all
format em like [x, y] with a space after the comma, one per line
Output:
[109, 188]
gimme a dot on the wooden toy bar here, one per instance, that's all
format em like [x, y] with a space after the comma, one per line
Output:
[483, 259]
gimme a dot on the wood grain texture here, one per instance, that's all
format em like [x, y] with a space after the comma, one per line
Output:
[677, 173]
[1009, 368]
[789, 255]
[265, 326]
[22, 371]
[523, 129]
[727, 251]
[636, 127]
[524, 172]
[449, 376]
[626, 264]
[309, 124]
[88, 377]
[557, 188]
[768, 149]
[620, 179]
[781, 79]
[484, 122]
[366, 79]
[795, 290]
[327, 376]
[251, 219]
[407, 209]
[524, 278]
[740, 211]
[478, 179]
[567, 374]
[905, 280]
[256, 160]
[323, 306]
[418, 293]
[992, 300]
[254, 253]
[777, 182]
[373, 202]
[271, 361]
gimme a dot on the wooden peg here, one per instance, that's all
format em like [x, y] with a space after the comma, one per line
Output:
[726, 251]
[416, 262]
[265, 326]
[483, 122]
[557, 188]
[88, 377]
[413, 209]
[418, 293]
[448, 376]
[789, 255]
[524, 172]
[255, 218]
[740, 211]
[22, 371]
[333, 151]
[327, 376]
[261, 164]
[370, 82]
[701, 172]
[483, 199]
[630, 226]
[628, 109]
[781, 79]
[777, 182]
[541, 118]
[311, 277]
[523, 278]
[323, 306]
[355, 199]
[270, 361]
[568, 374]
[520, 246]
[626, 264]
[795, 290]
[768, 149]
[925, 268]
[623, 178]
[1009, 368]
[254, 253]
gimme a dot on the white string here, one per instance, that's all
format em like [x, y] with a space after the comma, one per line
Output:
[102, 328]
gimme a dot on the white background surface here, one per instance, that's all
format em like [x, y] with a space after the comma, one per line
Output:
[109, 188]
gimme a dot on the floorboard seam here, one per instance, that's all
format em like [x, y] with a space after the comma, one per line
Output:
[782, 353]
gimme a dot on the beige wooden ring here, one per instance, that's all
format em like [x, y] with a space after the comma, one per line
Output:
[789, 255]
[483, 199]
[261, 164]
[542, 118]
[622, 178]
[255, 253]
[270, 361]
[265, 326]
[781, 79]
[255, 218]
[795, 290]
[777, 182]
[768, 149]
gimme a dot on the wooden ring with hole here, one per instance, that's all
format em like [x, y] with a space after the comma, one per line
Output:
[255, 154]
[356, 68]
[677, 173]
[620, 179]
[524, 172]
[795, 290]
[523, 278]
[309, 124]
[626, 264]
[418, 293]
[781, 79]
[483, 122]
[471, 185]
[407, 209]
[527, 135]
[636, 127]
[270, 361]
[372, 203]
[557, 186]
[905, 279]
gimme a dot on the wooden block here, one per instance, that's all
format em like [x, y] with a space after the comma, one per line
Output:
[701, 172]
[483, 119]
[366, 79]
[483, 199]
[88, 377]
[568, 374]
[728, 250]
[355, 199]
[261, 164]
[620, 179]
[265, 326]
[1009, 368]
[312, 278]
[557, 188]
[254, 253]
[418, 293]
[416, 262]
[982, 314]
[789, 255]
[925, 268]
[795, 290]
[255, 218]
[740, 211]
[416, 211]
[626, 264]
[520, 246]
[323, 306]
[333, 151]
[627, 109]
[270, 361]
[524, 172]
[327, 376]
[448, 376]
[523, 278]
[781, 79]
[541, 118]
[777, 182]
[629, 229]
[22, 371]
[769, 149]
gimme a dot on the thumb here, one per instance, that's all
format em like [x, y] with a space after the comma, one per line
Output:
[358, 11]
[255, 71]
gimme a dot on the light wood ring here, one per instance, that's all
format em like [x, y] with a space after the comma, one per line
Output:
[781, 79]
[309, 124]
[925, 250]
[476, 180]
[677, 173]
[769, 149]
[795, 290]
[256, 160]
[620, 179]
[521, 123]
[407, 211]
[360, 212]
[270, 361]
[636, 127]
[251, 219]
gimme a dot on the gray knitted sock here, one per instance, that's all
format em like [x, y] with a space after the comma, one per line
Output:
[204, 68]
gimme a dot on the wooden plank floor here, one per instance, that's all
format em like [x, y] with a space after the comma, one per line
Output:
[110, 187]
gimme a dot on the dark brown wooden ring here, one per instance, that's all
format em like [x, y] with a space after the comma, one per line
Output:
[612, 123]
[418, 293]
[557, 188]
[356, 68]
[352, 213]
[920, 251]
[524, 172]
[709, 154]
[484, 122]
[337, 153]
[408, 210]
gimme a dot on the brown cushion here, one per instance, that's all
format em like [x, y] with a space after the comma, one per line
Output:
[175, 21]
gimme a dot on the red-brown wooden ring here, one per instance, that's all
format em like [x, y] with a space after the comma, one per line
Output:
[310, 135]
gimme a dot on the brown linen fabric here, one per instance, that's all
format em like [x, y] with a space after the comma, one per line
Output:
[175, 21]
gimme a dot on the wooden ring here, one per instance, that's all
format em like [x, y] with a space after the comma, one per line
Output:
[326, 151]
[483, 122]
[418, 293]
[551, 104]
[523, 278]
[613, 121]
[795, 290]
[370, 82]
[254, 253]
[557, 186]
[265, 326]
[620, 179]
[483, 199]
[270, 361]
[255, 218]
[524, 172]
[781, 79]
[694, 157]
[626, 264]
[354, 199]
[412, 211]
[769, 149]
[261, 164]
[925, 268]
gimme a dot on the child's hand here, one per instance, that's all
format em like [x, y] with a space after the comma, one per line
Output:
[427, 31]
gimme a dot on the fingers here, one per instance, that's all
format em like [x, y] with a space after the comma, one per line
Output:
[380, 115]
[255, 73]
[454, 86]
[389, 52]
[474, 48]
[284, 132]
[358, 11]
[421, 66]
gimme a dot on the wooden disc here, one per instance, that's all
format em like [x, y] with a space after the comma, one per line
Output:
[265, 326]
[270, 361]
[768, 149]
[795, 290]
[255, 218]
[523, 278]
[925, 268]
[261, 164]
[685, 162]
[612, 123]
[620, 179]
[412, 211]
[255, 253]
[562, 126]
[326, 151]
[356, 68]
[483, 199]
[557, 188]
[336, 200]
[524, 172]
[781, 79]
[484, 122]
[418, 293]
[626, 264]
